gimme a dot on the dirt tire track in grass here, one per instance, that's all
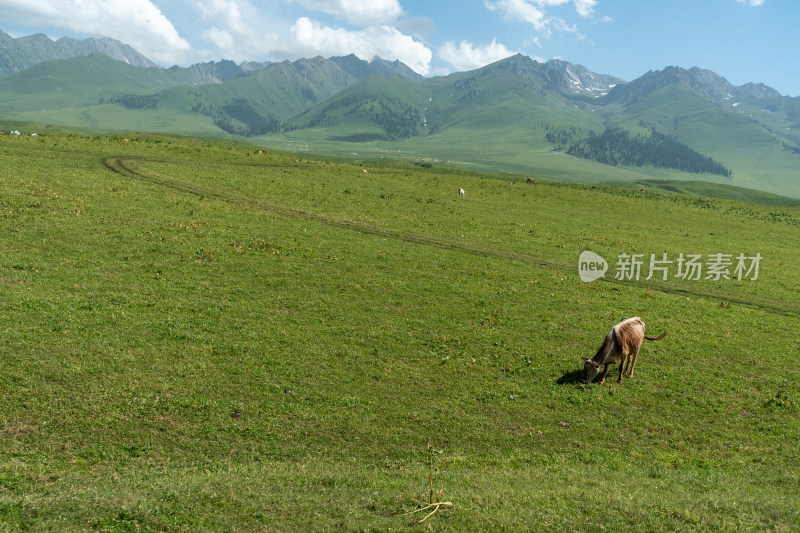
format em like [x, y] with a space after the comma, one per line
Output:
[117, 165]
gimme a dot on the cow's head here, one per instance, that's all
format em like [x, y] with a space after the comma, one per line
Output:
[590, 371]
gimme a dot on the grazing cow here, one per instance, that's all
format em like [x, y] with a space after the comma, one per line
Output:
[461, 193]
[621, 345]
[531, 181]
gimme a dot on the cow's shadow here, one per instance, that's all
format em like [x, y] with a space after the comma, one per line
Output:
[570, 378]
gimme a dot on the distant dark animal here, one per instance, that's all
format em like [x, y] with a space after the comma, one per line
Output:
[530, 180]
[621, 345]
[461, 193]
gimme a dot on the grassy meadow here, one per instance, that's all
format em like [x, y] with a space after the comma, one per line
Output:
[197, 336]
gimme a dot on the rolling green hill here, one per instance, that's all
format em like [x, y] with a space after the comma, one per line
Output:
[250, 105]
[78, 92]
[755, 153]
[82, 81]
[380, 109]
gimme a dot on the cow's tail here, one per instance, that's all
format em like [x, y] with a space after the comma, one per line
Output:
[656, 338]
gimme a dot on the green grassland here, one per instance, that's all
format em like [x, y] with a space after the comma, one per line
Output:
[197, 336]
[708, 190]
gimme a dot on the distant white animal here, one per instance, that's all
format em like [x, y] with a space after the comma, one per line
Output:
[364, 171]
[461, 193]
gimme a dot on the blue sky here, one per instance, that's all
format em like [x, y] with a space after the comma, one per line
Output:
[741, 40]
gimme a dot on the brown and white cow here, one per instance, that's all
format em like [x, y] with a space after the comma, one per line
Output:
[621, 346]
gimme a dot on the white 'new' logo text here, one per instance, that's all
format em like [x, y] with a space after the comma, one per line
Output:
[591, 266]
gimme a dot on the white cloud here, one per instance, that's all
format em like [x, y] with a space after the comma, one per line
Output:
[752, 2]
[311, 38]
[225, 13]
[357, 12]
[534, 12]
[238, 32]
[465, 56]
[138, 23]
[241, 32]
[223, 41]
[520, 10]
[585, 8]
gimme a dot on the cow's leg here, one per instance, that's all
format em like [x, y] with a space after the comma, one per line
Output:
[625, 360]
[635, 354]
[605, 371]
[624, 365]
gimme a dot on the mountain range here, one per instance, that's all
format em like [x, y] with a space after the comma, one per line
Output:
[22, 53]
[553, 119]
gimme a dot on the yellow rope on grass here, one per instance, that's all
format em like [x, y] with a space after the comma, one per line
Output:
[436, 507]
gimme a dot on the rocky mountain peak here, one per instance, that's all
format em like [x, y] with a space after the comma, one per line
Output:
[22, 53]
[578, 80]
